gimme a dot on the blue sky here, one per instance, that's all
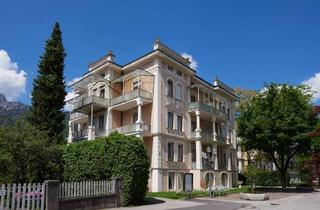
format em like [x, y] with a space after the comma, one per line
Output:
[244, 43]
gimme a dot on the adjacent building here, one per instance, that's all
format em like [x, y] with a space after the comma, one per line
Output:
[186, 123]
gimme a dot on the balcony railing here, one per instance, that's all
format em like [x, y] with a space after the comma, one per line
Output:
[78, 135]
[131, 95]
[132, 128]
[175, 132]
[208, 108]
[205, 135]
[202, 106]
[87, 100]
[222, 139]
[77, 115]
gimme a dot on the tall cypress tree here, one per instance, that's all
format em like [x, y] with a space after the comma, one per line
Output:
[48, 92]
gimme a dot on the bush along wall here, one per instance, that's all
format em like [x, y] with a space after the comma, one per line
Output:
[116, 155]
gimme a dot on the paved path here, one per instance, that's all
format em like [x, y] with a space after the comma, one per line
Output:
[307, 201]
[303, 201]
[192, 204]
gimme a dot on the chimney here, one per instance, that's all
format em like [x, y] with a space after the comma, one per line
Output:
[110, 56]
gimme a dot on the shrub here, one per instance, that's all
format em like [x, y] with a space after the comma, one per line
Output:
[85, 161]
[116, 155]
[268, 178]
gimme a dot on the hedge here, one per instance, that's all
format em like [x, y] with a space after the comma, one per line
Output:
[116, 155]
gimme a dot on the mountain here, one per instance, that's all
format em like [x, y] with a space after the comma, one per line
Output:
[10, 111]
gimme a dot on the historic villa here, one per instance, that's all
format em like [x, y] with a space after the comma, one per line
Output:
[187, 124]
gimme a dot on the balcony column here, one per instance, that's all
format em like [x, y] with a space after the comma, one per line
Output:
[215, 153]
[228, 133]
[229, 160]
[214, 129]
[109, 122]
[198, 129]
[139, 122]
[91, 128]
[198, 155]
[70, 132]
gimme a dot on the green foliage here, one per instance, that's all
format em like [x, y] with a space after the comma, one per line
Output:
[85, 160]
[27, 155]
[48, 92]
[268, 178]
[251, 172]
[277, 122]
[117, 155]
[196, 193]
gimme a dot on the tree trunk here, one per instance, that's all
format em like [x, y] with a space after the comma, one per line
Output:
[283, 175]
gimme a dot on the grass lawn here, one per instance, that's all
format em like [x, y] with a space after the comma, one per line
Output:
[194, 194]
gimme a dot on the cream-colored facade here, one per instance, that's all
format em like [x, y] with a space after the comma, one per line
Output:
[186, 123]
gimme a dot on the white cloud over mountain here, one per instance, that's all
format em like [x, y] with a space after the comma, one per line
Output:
[12, 79]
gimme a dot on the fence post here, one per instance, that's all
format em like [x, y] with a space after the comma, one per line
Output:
[118, 187]
[52, 194]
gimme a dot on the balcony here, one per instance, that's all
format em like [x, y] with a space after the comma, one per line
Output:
[83, 104]
[205, 135]
[222, 139]
[202, 107]
[130, 96]
[175, 132]
[77, 115]
[208, 109]
[132, 129]
[79, 135]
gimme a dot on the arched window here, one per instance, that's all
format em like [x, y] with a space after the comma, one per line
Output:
[170, 88]
[178, 92]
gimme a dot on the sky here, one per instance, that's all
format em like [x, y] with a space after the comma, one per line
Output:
[245, 43]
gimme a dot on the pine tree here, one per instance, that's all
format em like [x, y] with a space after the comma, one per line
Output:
[48, 92]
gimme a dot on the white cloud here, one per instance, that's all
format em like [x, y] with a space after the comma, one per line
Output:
[12, 79]
[73, 80]
[314, 83]
[194, 63]
[70, 95]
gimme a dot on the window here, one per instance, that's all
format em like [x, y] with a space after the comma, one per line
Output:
[102, 93]
[134, 117]
[179, 73]
[170, 88]
[228, 110]
[180, 152]
[170, 151]
[193, 152]
[170, 68]
[179, 122]
[179, 92]
[170, 120]
[170, 180]
[136, 84]
[193, 98]
[101, 122]
[193, 125]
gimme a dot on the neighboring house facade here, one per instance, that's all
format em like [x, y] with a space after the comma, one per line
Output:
[186, 123]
